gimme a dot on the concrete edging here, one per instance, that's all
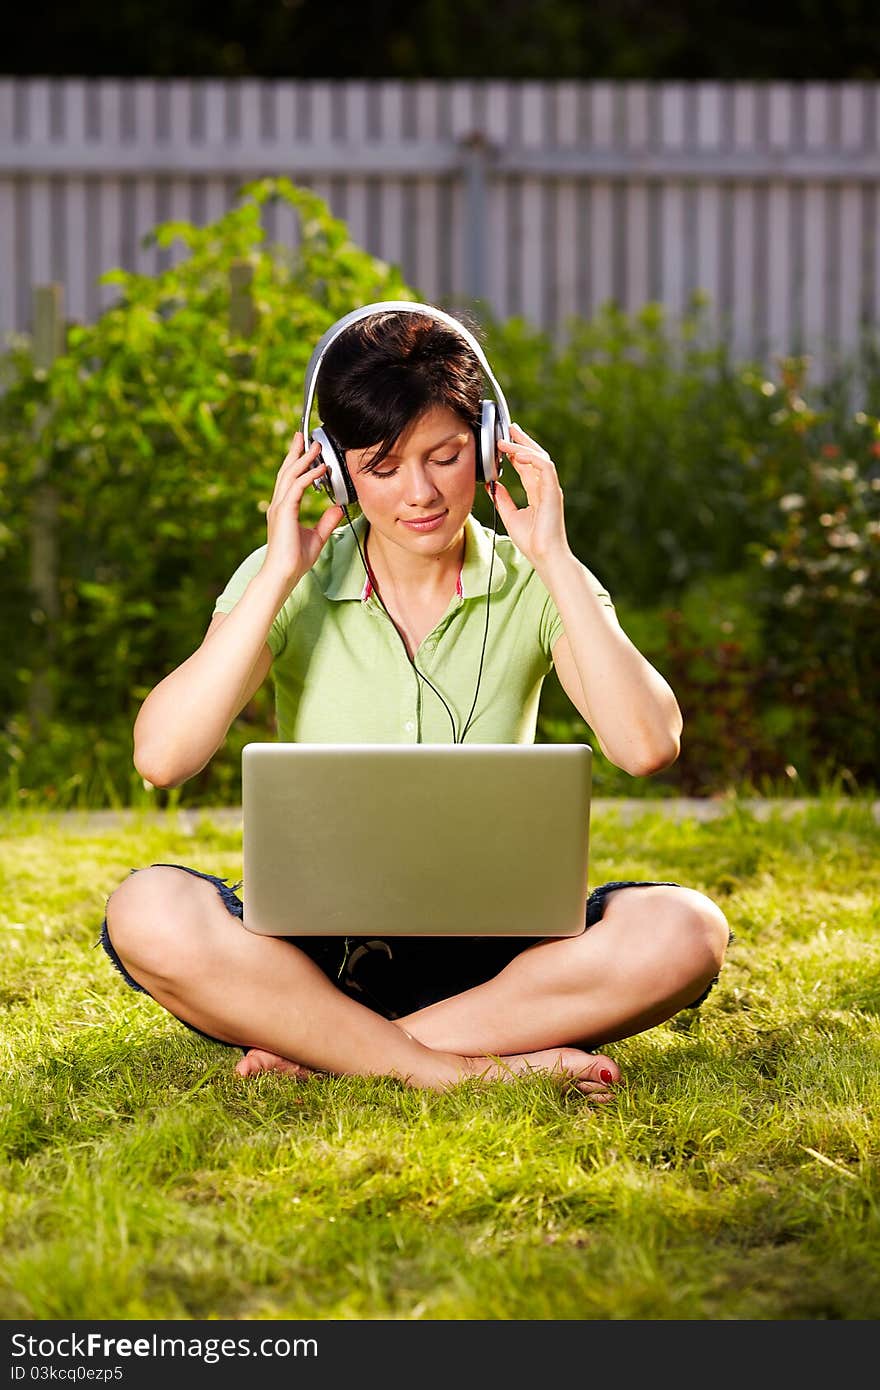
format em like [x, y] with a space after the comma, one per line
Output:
[628, 809]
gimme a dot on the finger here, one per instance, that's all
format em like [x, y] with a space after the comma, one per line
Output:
[517, 433]
[327, 522]
[291, 486]
[301, 479]
[530, 474]
[537, 473]
[297, 450]
[521, 454]
[295, 447]
[503, 500]
[306, 459]
[295, 465]
[500, 491]
[519, 457]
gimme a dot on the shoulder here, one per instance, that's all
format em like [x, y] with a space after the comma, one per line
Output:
[239, 579]
[522, 573]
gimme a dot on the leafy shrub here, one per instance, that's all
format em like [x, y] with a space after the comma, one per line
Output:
[163, 428]
[736, 518]
[670, 454]
[819, 599]
[652, 429]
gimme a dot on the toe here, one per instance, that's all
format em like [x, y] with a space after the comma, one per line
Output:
[257, 1060]
[597, 1078]
[601, 1069]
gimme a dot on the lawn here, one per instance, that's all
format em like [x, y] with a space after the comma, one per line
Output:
[734, 1176]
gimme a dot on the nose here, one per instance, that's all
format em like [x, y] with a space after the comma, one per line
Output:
[420, 488]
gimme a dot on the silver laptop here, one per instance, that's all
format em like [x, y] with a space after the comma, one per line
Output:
[416, 839]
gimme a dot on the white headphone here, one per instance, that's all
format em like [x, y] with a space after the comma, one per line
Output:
[494, 421]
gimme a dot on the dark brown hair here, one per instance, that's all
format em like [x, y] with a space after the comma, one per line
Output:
[383, 373]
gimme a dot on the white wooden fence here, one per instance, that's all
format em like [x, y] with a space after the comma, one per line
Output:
[544, 198]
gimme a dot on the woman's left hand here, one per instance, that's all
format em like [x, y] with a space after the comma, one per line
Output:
[538, 529]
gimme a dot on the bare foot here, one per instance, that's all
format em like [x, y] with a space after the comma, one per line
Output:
[256, 1060]
[593, 1074]
[589, 1072]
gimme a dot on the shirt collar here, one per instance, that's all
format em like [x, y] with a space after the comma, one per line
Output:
[346, 578]
[477, 561]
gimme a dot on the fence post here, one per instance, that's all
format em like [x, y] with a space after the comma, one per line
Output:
[477, 152]
[242, 312]
[49, 341]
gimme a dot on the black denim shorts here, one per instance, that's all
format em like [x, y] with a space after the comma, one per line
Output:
[406, 973]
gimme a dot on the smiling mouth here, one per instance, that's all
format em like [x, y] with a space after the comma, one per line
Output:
[423, 521]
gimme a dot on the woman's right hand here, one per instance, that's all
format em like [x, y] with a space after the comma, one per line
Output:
[294, 548]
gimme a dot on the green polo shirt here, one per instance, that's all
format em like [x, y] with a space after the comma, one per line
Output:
[342, 673]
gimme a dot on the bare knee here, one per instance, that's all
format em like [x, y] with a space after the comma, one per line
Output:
[151, 919]
[701, 931]
[678, 928]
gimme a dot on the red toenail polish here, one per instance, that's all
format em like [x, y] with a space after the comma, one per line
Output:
[605, 1075]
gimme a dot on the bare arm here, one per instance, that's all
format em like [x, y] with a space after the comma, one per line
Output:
[185, 719]
[620, 695]
[624, 699]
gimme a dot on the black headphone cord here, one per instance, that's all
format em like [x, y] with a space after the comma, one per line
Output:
[486, 627]
[420, 674]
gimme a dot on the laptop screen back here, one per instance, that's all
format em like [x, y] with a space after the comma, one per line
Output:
[415, 839]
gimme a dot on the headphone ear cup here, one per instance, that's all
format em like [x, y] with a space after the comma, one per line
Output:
[336, 481]
[488, 466]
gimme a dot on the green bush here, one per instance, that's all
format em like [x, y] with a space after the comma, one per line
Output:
[741, 556]
[671, 455]
[817, 592]
[163, 426]
[163, 429]
[709, 648]
[651, 429]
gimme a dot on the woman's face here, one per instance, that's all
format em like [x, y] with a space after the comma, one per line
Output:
[420, 495]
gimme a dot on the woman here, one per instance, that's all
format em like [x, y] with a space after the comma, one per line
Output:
[339, 612]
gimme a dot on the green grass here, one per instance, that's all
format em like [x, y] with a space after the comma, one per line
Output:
[735, 1176]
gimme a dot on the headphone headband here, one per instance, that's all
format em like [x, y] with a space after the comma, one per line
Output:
[409, 307]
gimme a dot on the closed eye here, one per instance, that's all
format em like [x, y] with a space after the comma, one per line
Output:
[390, 472]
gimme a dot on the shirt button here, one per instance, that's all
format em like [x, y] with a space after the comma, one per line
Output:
[409, 726]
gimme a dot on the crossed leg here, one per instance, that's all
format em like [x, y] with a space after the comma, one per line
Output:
[176, 939]
[654, 951]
